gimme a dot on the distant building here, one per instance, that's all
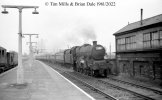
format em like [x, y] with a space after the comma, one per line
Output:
[139, 48]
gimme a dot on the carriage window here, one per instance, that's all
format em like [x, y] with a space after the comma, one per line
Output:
[98, 48]
[11, 59]
[2, 52]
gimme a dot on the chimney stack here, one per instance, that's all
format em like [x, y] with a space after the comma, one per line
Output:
[94, 42]
[141, 16]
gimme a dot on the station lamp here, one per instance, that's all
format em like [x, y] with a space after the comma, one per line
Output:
[5, 12]
[35, 11]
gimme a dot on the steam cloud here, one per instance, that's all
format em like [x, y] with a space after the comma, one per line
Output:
[88, 33]
[82, 34]
[76, 35]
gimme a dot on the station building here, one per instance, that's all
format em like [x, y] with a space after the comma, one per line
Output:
[139, 48]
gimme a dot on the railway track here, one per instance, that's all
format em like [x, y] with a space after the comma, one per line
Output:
[144, 97]
[137, 89]
[135, 85]
[120, 93]
[108, 90]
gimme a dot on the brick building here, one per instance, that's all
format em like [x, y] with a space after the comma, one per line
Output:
[139, 48]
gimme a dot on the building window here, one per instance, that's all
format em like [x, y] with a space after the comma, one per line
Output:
[130, 42]
[120, 44]
[152, 39]
[146, 40]
[155, 39]
[160, 34]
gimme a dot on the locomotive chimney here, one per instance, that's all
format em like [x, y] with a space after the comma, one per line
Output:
[141, 16]
[94, 42]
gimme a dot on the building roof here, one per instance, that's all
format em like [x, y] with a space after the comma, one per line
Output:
[2, 48]
[137, 25]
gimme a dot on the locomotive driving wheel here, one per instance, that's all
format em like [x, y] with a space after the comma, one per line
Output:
[92, 72]
[84, 71]
[105, 73]
[96, 73]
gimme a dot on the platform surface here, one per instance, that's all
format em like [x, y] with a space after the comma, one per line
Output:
[41, 83]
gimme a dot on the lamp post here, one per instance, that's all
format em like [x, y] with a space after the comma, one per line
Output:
[20, 72]
[30, 46]
[34, 49]
[31, 52]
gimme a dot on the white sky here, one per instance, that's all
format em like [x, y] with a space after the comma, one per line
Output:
[60, 27]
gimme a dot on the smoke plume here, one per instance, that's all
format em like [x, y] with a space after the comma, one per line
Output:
[81, 34]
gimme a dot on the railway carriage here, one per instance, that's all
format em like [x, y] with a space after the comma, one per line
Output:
[7, 59]
[15, 58]
[3, 59]
[12, 59]
[67, 56]
[59, 57]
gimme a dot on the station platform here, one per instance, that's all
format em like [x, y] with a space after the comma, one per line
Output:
[41, 82]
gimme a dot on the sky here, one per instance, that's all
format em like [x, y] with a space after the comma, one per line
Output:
[62, 27]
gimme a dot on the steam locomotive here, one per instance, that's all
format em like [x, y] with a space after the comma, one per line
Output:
[87, 59]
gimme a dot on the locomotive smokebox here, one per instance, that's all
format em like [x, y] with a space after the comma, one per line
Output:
[94, 43]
